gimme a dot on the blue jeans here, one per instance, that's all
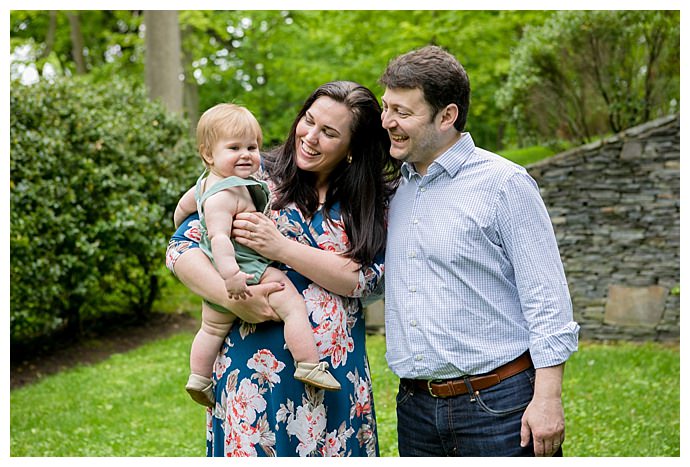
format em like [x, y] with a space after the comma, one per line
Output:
[487, 424]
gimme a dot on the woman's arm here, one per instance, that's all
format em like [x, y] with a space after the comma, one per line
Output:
[332, 271]
[195, 271]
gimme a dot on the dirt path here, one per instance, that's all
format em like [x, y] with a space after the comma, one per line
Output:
[32, 368]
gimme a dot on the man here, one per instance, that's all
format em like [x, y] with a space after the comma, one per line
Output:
[476, 296]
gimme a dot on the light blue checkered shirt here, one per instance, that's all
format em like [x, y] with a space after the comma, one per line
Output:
[473, 273]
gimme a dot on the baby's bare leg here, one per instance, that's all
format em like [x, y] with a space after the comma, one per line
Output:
[289, 305]
[214, 327]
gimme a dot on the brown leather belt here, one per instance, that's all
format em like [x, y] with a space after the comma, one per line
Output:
[458, 386]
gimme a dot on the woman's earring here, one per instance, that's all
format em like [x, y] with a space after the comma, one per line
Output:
[349, 159]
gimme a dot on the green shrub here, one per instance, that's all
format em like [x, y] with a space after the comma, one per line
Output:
[95, 172]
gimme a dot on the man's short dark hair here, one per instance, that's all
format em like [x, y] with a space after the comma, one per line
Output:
[437, 73]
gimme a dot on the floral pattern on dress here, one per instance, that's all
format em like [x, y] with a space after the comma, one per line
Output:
[368, 283]
[336, 319]
[362, 405]
[333, 237]
[193, 231]
[243, 405]
[261, 410]
[266, 366]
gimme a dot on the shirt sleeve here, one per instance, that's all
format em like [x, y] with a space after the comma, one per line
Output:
[529, 242]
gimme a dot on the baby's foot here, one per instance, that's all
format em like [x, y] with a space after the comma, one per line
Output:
[201, 390]
[316, 374]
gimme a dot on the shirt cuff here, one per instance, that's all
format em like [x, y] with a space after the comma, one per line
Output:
[555, 348]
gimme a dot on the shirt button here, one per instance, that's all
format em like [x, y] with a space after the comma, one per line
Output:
[422, 189]
[416, 221]
[413, 323]
[418, 357]
[412, 254]
[413, 289]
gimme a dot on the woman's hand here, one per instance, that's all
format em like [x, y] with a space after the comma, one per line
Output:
[258, 232]
[255, 308]
[195, 271]
[329, 269]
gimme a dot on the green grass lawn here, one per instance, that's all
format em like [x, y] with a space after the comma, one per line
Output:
[132, 404]
[528, 155]
[623, 400]
[620, 400]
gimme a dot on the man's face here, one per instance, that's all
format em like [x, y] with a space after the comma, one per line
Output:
[413, 130]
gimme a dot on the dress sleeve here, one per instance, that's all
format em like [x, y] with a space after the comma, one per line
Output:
[186, 237]
[370, 284]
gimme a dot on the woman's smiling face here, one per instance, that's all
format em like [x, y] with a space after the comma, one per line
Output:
[322, 137]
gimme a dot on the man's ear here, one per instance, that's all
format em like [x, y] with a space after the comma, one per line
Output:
[448, 116]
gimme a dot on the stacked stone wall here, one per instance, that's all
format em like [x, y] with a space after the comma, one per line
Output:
[615, 208]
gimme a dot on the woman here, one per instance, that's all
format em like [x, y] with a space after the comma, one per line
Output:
[331, 182]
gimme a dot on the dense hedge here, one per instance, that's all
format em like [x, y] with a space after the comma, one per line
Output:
[95, 174]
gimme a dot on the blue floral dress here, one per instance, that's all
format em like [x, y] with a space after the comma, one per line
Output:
[261, 410]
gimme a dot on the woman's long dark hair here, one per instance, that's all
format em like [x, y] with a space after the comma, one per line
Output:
[363, 187]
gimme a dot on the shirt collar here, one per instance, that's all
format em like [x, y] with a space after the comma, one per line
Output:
[450, 161]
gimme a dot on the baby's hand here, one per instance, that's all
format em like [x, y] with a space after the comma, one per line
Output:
[236, 285]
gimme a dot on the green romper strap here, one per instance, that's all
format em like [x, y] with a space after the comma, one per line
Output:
[257, 189]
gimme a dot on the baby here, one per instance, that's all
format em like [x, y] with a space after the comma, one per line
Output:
[228, 140]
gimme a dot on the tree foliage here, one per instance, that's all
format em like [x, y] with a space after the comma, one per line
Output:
[95, 172]
[112, 45]
[585, 73]
[544, 74]
[93, 179]
[271, 60]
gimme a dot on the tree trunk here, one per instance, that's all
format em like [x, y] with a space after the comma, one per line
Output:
[164, 76]
[50, 34]
[77, 43]
[191, 88]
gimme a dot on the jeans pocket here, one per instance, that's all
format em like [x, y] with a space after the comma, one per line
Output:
[509, 396]
[405, 391]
